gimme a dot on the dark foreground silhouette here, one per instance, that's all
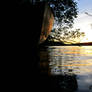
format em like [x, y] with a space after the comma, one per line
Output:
[63, 83]
[26, 34]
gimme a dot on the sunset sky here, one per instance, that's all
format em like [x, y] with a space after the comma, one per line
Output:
[84, 21]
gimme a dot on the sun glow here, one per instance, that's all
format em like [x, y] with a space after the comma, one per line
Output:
[84, 23]
[88, 33]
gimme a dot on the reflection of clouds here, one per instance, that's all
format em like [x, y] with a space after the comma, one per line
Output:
[84, 82]
[56, 71]
[90, 88]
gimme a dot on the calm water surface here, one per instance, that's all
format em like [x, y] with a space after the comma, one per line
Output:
[69, 60]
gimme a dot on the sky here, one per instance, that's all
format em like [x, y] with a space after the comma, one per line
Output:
[84, 21]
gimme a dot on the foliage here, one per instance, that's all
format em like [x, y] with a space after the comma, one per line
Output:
[65, 35]
[64, 11]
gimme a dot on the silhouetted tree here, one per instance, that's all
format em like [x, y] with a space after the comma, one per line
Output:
[64, 11]
[65, 35]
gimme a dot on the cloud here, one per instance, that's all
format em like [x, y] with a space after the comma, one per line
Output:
[84, 23]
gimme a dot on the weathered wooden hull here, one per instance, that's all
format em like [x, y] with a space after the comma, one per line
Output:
[47, 23]
[37, 18]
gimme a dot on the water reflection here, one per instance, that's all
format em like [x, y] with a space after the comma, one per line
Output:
[90, 88]
[68, 64]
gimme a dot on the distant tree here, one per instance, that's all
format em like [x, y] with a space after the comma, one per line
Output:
[65, 35]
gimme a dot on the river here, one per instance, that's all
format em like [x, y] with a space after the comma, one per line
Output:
[74, 62]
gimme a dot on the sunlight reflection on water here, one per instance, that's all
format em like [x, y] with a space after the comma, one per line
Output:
[59, 60]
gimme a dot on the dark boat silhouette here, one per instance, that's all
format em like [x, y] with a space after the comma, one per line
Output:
[36, 18]
[33, 23]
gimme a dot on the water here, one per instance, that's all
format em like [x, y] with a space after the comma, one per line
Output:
[72, 61]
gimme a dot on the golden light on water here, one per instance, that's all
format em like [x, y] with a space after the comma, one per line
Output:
[74, 58]
[74, 55]
[90, 64]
